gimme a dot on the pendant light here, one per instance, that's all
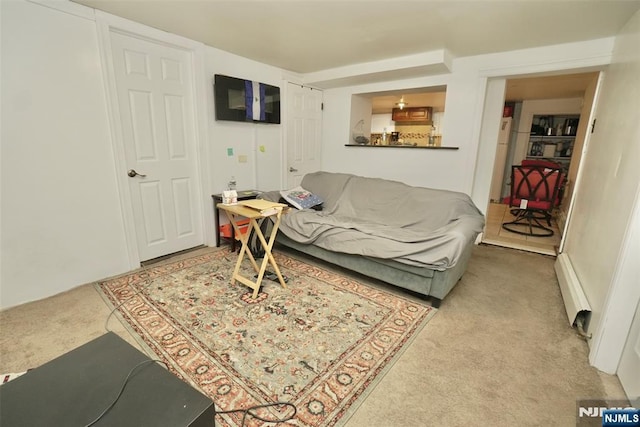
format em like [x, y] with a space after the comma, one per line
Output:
[401, 104]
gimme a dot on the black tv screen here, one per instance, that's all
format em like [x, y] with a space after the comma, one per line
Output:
[241, 100]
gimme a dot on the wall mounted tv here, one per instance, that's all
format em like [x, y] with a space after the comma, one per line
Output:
[241, 100]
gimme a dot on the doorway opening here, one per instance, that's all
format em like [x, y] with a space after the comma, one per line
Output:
[537, 112]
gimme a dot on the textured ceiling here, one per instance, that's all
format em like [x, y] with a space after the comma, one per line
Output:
[307, 36]
[310, 35]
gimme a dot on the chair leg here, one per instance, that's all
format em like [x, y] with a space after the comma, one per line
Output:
[527, 223]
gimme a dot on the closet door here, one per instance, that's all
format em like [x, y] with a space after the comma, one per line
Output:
[156, 108]
[304, 118]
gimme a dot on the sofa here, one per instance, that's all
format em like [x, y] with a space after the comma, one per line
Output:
[419, 239]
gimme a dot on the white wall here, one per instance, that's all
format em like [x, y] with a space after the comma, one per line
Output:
[380, 122]
[262, 171]
[61, 220]
[604, 201]
[431, 168]
[360, 112]
[492, 117]
[462, 120]
[62, 224]
[610, 178]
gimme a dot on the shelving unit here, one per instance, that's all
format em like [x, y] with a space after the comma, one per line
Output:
[554, 148]
[552, 138]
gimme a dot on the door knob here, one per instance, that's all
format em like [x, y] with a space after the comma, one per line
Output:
[292, 169]
[132, 173]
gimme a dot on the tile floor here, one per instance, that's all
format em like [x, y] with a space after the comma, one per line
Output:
[496, 235]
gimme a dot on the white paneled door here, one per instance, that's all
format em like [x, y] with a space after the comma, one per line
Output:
[304, 127]
[155, 99]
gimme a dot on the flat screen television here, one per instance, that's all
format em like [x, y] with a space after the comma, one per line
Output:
[241, 100]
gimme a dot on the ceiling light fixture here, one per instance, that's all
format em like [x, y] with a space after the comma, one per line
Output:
[401, 104]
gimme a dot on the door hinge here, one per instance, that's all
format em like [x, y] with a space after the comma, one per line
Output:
[593, 125]
[322, 106]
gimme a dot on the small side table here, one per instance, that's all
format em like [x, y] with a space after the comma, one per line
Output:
[217, 198]
[235, 212]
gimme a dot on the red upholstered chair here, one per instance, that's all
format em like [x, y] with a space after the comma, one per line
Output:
[543, 163]
[551, 165]
[534, 193]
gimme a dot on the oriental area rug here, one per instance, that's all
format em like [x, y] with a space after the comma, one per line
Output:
[321, 344]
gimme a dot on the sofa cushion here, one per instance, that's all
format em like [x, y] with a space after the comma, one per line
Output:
[329, 186]
[401, 206]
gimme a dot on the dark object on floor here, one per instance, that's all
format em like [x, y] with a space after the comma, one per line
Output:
[256, 248]
[535, 192]
[76, 388]
[273, 277]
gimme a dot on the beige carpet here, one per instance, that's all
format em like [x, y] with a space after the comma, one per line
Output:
[499, 352]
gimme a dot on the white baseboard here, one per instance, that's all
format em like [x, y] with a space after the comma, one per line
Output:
[575, 300]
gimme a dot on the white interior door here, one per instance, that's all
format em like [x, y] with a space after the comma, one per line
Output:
[629, 368]
[304, 127]
[155, 99]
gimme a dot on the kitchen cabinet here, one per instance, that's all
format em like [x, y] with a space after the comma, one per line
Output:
[413, 114]
[552, 138]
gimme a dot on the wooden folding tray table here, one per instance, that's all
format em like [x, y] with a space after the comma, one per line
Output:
[235, 213]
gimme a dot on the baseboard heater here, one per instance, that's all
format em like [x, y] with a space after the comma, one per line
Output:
[575, 300]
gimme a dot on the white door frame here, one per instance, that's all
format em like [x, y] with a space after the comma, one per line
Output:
[623, 297]
[585, 148]
[608, 340]
[105, 23]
